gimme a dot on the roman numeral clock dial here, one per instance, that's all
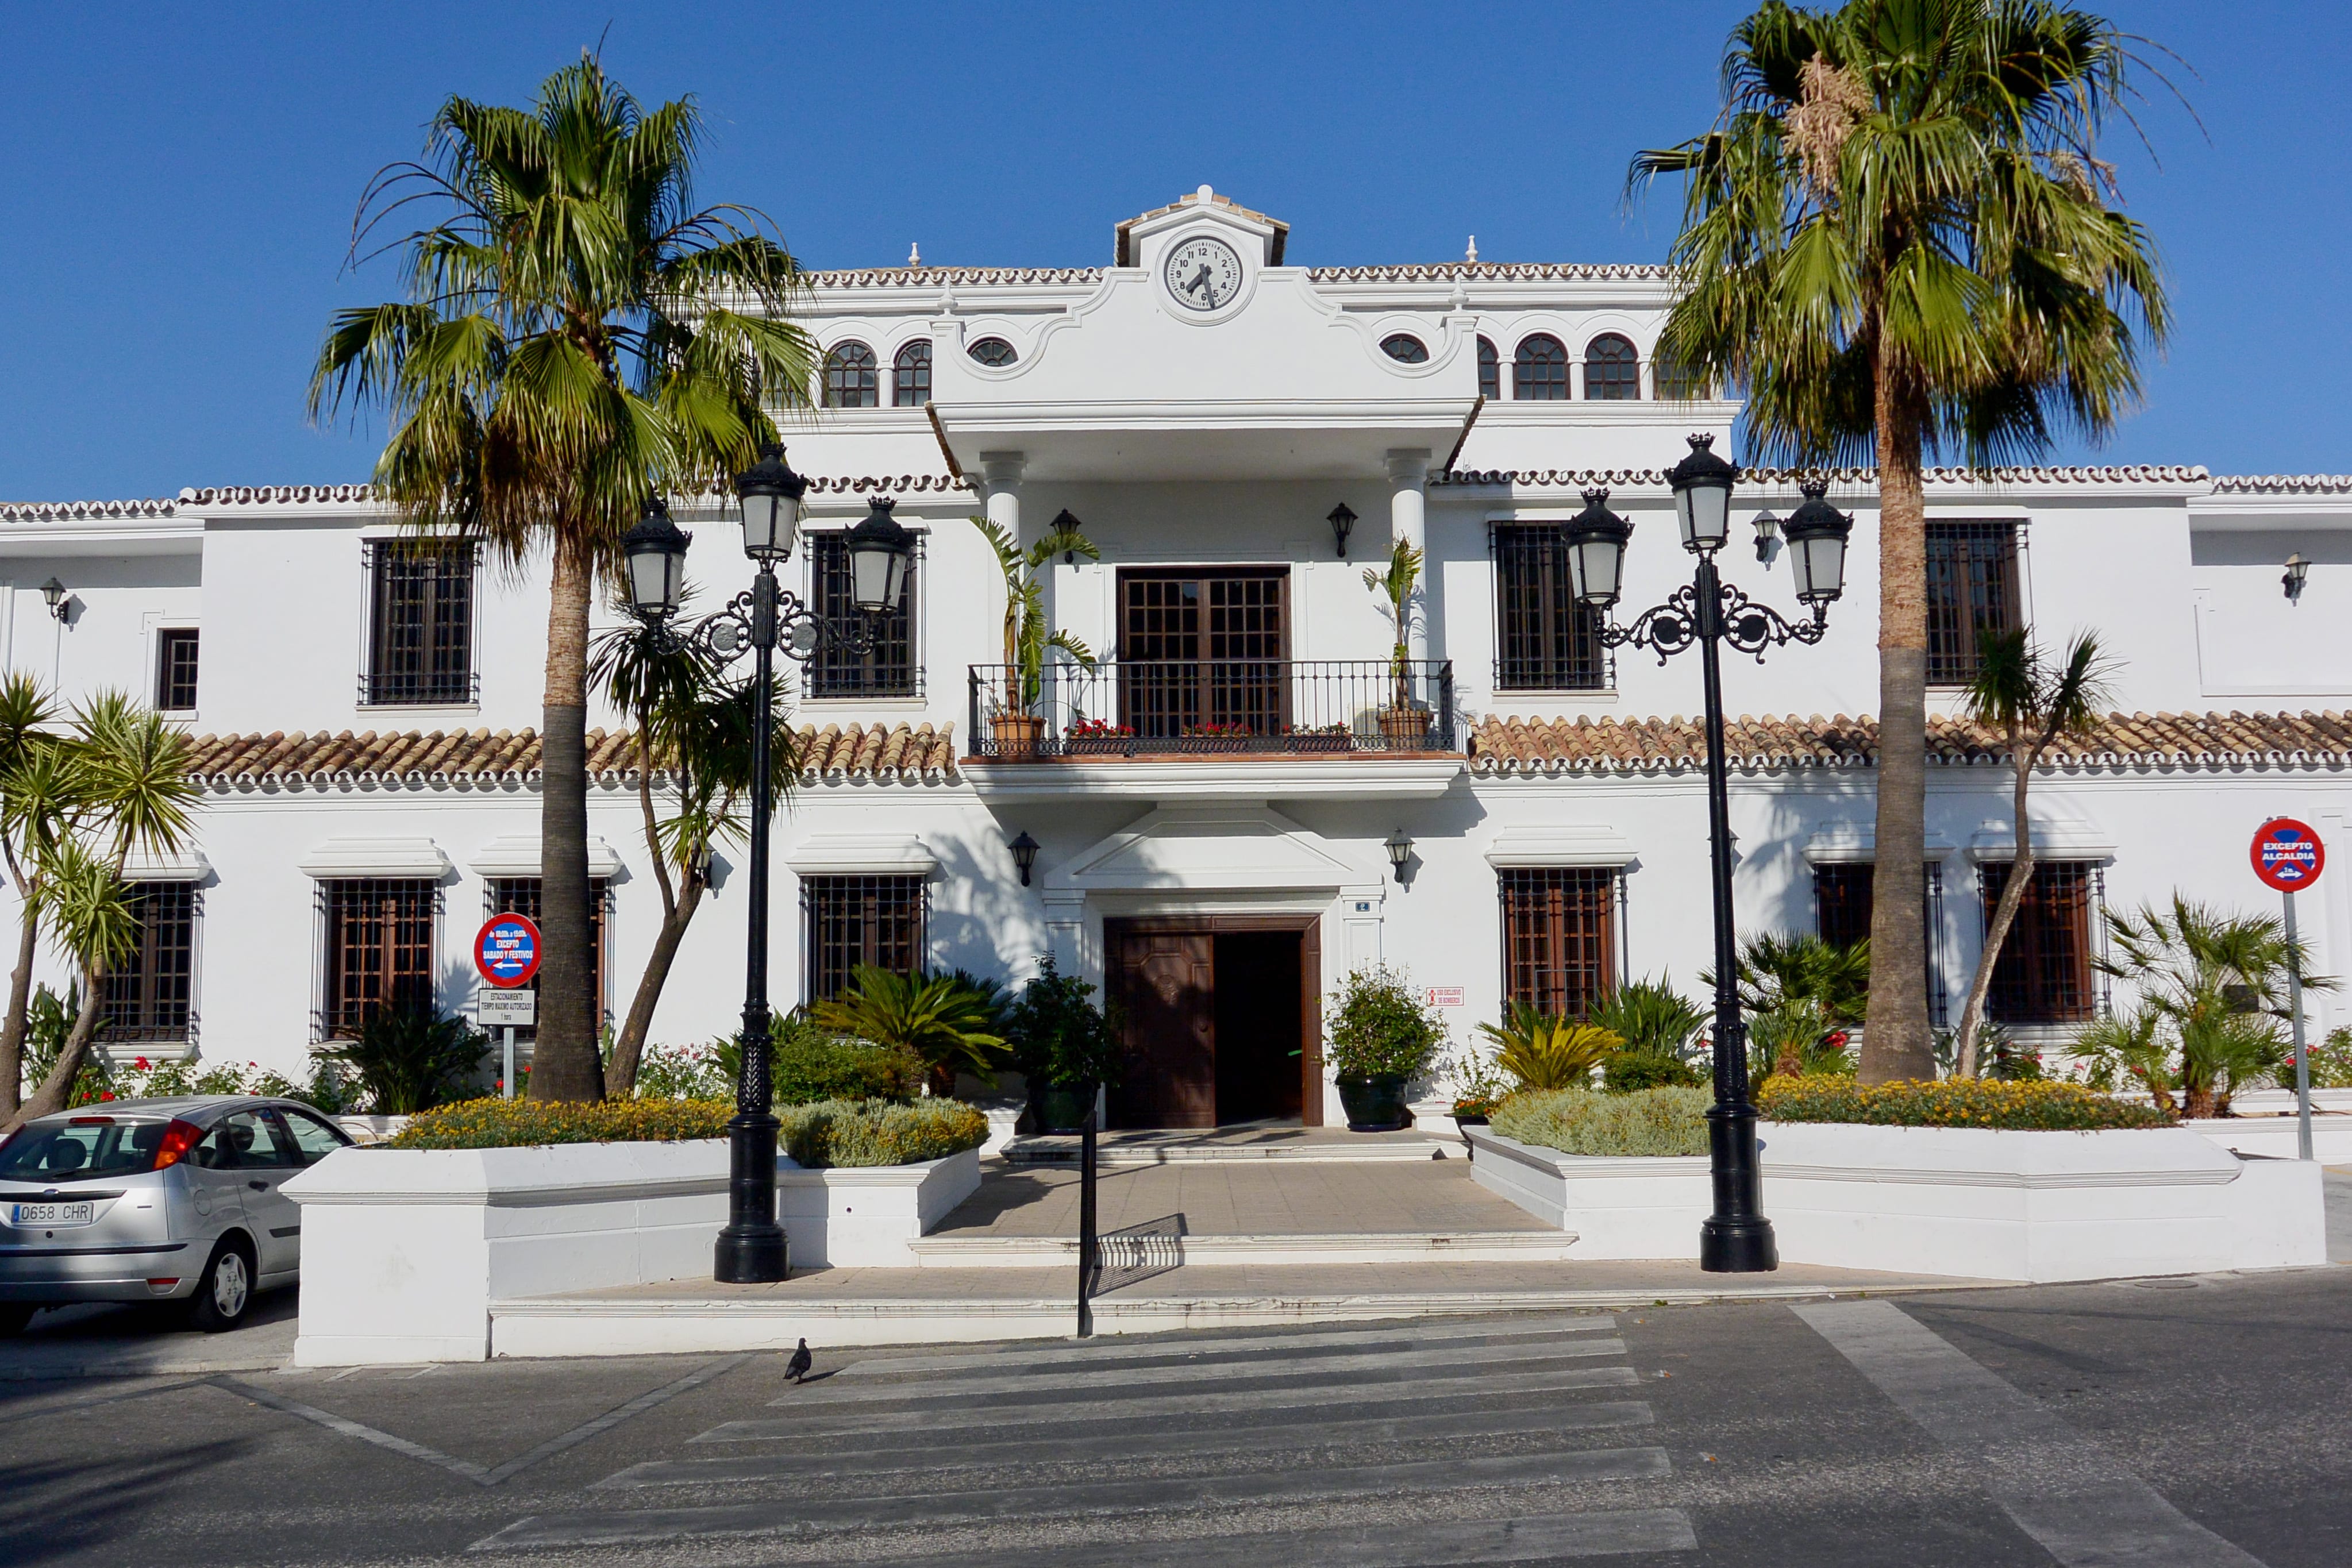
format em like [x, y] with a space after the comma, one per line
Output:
[1204, 274]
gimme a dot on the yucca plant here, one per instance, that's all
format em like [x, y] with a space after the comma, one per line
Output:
[1546, 1050]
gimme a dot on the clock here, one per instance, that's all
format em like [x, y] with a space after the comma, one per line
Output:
[1204, 274]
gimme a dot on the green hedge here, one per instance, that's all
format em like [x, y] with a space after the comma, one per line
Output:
[523, 1124]
[1665, 1121]
[1954, 1103]
[880, 1132]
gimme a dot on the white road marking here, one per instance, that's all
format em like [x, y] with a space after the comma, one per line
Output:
[1124, 1349]
[2068, 1494]
[1545, 1538]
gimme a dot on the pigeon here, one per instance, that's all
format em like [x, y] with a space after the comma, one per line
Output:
[798, 1367]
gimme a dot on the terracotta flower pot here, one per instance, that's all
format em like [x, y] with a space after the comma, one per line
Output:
[1405, 728]
[1017, 734]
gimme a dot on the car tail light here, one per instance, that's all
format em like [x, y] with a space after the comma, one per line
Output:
[179, 1138]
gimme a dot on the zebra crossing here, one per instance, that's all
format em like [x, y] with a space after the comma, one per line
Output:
[1491, 1442]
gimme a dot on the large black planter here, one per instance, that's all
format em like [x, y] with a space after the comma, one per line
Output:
[1374, 1104]
[1060, 1110]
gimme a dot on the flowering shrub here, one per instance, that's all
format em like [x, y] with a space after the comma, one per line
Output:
[844, 1133]
[1660, 1122]
[523, 1124]
[2044, 1106]
[150, 1079]
[1099, 729]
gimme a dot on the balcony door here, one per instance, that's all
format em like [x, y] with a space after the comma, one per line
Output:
[1201, 651]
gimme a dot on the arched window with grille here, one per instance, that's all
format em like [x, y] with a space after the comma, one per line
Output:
[1613, 370]
[1539, 369]
[1676, 381]
[992, 352]
[910, 375]
[1405, 349]
[1490, 371]
[850, 378]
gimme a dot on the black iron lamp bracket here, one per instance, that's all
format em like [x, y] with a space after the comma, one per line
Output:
[1683, 619]
[769, 613]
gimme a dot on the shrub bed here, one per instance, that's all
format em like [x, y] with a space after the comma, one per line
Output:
[1954, 1103]
[1664, 1121]
[880, 1132]
[522, 1124]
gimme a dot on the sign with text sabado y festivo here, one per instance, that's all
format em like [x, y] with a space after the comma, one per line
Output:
[507, 951]
[2287, 855]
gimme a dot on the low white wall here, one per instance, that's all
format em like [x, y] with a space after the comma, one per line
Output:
[2331, 1136]
[2039, 1206]
[404, 1249]
[1976, 1203]
[1618, 1208]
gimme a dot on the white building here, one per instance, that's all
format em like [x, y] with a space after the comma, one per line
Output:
[1203, 409]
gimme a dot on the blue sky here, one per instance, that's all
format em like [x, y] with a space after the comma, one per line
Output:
[177, 181]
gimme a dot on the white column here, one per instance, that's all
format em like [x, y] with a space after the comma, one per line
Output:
[999, 486]
[1066, 931]
[1408, 473]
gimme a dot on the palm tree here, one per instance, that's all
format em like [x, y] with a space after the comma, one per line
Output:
[1774, 970]
[696, 731]
[1899, 238]
[37, 789]
[1027, 635]
[2017, 692]
[949, 1022]
[124, 786]
[577, 335]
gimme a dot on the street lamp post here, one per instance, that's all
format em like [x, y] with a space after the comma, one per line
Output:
[1736, 1238]
[750, 1248]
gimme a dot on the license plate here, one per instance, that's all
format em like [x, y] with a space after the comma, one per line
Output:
[54, 1213]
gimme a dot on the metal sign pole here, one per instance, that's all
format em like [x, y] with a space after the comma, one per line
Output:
[1089, 1243]
[509, 1080]
[2302, 1062]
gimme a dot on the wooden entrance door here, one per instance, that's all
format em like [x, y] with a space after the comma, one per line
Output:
[1164, 982]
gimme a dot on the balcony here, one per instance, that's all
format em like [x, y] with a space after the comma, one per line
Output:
[1210, 729]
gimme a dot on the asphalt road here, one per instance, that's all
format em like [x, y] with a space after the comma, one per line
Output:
[2168, 1422]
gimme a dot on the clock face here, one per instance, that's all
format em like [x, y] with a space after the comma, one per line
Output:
[1204, 274]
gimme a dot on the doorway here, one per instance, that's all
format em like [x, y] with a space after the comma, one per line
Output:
[1220, 1018]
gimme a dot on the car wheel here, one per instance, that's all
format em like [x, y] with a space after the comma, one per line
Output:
[225, 1293]
[13, 1316]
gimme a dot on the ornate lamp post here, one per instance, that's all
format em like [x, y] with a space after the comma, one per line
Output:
[1737, 1239]
[750, 1248]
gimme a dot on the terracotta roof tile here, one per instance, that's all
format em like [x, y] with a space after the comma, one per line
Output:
[867, 751]
[1841, 478]
[1515, 745]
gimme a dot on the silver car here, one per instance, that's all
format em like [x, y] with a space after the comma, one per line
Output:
[155, 1200]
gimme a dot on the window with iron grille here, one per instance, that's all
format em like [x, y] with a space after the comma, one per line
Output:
[1613, 370]
[1559, 936]
[890, 668]
[910, 375]
[846, 921]
[2045, 973]
[1490, 371]
[378, 941]
[151, 990]
[1841, 910]
[850, 378]
[1677, 382]
[1544, 639]
[1539, 369]
[1972, 589]
[520, 895]
[421, 623]
[175, 670]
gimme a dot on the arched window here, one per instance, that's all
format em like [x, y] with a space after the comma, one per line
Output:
[850, 381]
[1490, 371]
[910, 375]
[1613, 371]
[1405, 349]
[992, 352]
[1677, 382]
[1539, 369]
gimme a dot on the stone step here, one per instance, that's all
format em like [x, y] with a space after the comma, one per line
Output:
[1168, 1251]
[1196, 1149]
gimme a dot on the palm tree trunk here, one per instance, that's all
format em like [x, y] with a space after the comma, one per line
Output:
[1897, 1043]
[2004, 912]
[20, 998]
[564, 1061]
[629, 1049]
[55, 1092]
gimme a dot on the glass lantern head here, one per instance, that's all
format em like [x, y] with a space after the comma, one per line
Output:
[1816, 533]
[879, 553]
[770, 494]
[1702, 483]
[1596, 551]
[655, 553]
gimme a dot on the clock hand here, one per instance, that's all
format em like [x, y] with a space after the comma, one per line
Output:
[1200, 283]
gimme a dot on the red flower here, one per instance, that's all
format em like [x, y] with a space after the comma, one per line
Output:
[109, 1094]
[143, 1064]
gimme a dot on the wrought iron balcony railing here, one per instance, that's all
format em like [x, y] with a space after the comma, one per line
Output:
[1216, 708]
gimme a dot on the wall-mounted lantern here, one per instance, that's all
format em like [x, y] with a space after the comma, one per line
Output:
[1342, 519]
[1025, 854]
[1768, 536]
[55, 592]
[1399, 848]
[2297, 569]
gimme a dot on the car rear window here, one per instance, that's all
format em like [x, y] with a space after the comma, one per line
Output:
[80, 1150]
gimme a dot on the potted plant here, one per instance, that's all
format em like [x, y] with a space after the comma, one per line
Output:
[1066, 1046]
[1479, 1088]
[1403, 725]
[1382, 1038]
[1016, 730]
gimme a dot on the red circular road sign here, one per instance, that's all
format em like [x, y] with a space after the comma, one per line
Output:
[506, 951]
[2287, 855]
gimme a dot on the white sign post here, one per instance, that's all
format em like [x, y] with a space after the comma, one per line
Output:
[2287, 856]
[512, 1009]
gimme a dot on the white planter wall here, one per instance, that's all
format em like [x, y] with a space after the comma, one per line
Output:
[2040, 1206]
[405, 1250]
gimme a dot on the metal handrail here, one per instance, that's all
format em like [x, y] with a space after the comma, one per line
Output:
[1216, 708]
